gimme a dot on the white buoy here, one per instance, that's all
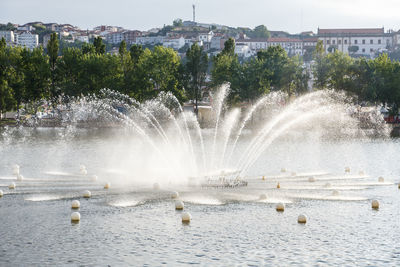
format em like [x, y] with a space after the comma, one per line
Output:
[327, 185]
[87, 194]
[347, 169]
[398, 186]
[335, 193]
[84, 172]
[94, 178]
[75, 204]
[311, 179]
[186, 217]
[179, 205]
[75, 217]
[381, 179]
[293, 173]
[107, 186]
[1, 193]
[82, 167]
[156, 186]
[302, 218]
[280, 207]
[11, 186]
[174, 195]
[263, 196]
[375, 204]
[20, 177]
[283, 170]
[361, 173]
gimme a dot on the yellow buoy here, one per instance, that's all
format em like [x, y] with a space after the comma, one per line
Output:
[381, 179]
[375, 204]
[174, 195]
[107, 186]
[280, 207]
[278, 186]
[302, 218]
[75, 204]
[347, 169]
[186, 217]
[311, 179]
[75, 217]
[11, 186]
[1, 193]
[87, 194]
[179, 205]
[263, 178]
[283, 170]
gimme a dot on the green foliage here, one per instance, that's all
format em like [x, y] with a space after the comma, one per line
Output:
[259, 32]
[177, 23]
[196, 71]
[99, 46]
[52, 51]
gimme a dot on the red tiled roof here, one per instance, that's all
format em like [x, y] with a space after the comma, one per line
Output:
[283, 40]
[252, 40]
[311, 39]
[352, 31]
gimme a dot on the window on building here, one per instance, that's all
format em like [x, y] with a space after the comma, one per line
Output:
[333, 41]
[339, 41]
[379, 41]
[371, 50]
[355, 41]
[345, 41]
[328, 42]
[363, 41]
[371, 41]
[363, 50]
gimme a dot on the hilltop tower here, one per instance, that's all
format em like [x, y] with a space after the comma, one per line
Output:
[194, 13]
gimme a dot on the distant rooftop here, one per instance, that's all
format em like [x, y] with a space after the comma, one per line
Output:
[352, 31]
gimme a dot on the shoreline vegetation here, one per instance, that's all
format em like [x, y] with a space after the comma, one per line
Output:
[30, 78]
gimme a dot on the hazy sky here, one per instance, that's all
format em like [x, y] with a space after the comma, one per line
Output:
[289, 15]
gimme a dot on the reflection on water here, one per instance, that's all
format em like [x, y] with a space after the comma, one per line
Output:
[132, 224]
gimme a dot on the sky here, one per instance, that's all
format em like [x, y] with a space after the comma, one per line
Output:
[288, 15]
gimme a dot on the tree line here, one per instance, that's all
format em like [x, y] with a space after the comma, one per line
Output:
[28, 76]
[371, 80]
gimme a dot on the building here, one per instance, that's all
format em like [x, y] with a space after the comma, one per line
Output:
[8, 36]
[254, 44]
[243, 50]
[130, 36]
[115, 37]
[82, 38]
[174, 42]
[362, 42]
[150, 40]
[28, 40]
[205, 36]
[292, 46]
[217, 43]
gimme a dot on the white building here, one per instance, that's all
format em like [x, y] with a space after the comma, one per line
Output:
[206, 36]
[292, 46]
[364, 42]
[8, 36]
[82, 38]
[27, 40]
[174, 42]
[243, 50]
[151, 40]
[254, 44]
[115, 37]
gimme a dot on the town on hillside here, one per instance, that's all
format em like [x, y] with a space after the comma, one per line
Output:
[362, 42]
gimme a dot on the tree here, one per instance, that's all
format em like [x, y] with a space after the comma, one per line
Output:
[136, 51]
[52, 51]
[99, 46]
[260, 32]
[177, 23]
[229, 47]
[321, 67]
[275, 59]
[353, 49]
[196, 68]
